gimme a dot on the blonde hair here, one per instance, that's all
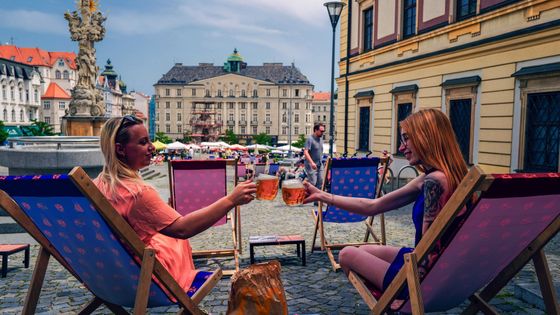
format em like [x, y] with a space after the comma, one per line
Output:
[116, 171]
[433, 138]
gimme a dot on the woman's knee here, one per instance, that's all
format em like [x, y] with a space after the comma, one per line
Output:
[347, 255]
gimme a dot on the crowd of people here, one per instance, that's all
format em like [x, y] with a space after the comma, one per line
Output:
[427, 142]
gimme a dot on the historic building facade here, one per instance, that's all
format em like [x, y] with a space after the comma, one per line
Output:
[493, 66]
[321, 108]
[245, 99]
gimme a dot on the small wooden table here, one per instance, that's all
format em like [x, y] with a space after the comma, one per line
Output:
[7, 250]
[267, 240]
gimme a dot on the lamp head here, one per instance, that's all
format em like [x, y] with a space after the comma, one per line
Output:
[334, 8]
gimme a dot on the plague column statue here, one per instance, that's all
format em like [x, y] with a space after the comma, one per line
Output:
[86, 28]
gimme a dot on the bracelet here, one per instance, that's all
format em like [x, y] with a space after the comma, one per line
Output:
[332, 199]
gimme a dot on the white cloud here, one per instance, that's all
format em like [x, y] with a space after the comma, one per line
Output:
[33, 21]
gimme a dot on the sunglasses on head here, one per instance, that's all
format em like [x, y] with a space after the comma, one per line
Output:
[128, 120]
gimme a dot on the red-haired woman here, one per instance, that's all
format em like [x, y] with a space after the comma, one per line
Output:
[428, 143]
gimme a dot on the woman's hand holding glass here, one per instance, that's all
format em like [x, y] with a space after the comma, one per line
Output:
[312, 193]
[243, 193]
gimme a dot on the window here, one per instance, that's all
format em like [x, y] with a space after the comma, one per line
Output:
[178, 92]
[243, 93]
[267, 92]
[219, 106]
[254, 105]
[61, 105]
[324, 108]
[60, 63]
[230, 117]
[47, 120]
[21, 115]
[167, 117]
[66, 75]
[403, 111]
[219, 117]
[35, 95]
[255, 94]
[230, 105]
[297, 92]
[5, 115]
[243, 129]
[306, 118]
[267, 117]
[20, 92]
[179, 128]
[465, 9]
[284, 92]
[409, 18]
[231, 93]
[267, 105]
[179, 105]
[296, 106]
[368, 29]
[193, 92]
[242, 105]
[4, 93]
[267, 129]
[284, 118]
[167, 92]
[57, 75]
[157, 117]
[179, 117]
[46, 104]
[219, 93]
[207, 93]
[296, 130]
[157, 128]
[324, 117]
[254, 130]
[363, 140]
[27, 95]
[12, 93]
[254, 117]
[284, 130]
[284, 105]
[167, 105]
[460, 115]
[296, 118]
[168, 128]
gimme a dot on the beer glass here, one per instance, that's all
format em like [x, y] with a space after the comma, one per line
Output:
[267, 187]
[293, 192]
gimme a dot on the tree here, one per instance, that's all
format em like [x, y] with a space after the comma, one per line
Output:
[186, 137]
[41, 128]
[162, 137]
[300, 143]
[262, 138]
[230, 137]
[3, 133]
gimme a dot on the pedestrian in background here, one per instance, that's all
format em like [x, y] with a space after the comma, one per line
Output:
[313, 152]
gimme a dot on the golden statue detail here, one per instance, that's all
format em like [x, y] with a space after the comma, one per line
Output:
[86, 27]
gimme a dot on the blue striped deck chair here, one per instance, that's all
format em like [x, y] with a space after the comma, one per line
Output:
[273, 168]
[354, 177]
[73, 222]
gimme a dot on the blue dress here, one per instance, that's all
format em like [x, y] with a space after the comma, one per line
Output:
[396, 265]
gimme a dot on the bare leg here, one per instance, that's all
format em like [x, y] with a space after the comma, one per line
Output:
[387, 253]
[371, 267]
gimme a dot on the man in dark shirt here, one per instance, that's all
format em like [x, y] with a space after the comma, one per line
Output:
[313, 152]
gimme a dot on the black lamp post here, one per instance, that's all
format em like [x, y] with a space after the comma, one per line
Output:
[334, 8]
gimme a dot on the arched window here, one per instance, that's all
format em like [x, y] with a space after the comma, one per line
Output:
[57, 75]
[5, 115]
[21, 115]
[13, 115]
[230, 92]
[66, 75]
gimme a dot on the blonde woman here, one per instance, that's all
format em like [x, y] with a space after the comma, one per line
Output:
[428, 143]
[127, 148]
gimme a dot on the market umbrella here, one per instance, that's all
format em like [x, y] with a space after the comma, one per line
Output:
[159, 145]
[176, 146]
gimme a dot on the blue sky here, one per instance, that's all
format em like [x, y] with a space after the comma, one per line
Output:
[145, 38]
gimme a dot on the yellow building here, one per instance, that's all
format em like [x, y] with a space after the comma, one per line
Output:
[493, 66]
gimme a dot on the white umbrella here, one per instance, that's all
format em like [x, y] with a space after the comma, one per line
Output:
[287, 148]
[193, 146]
[176, 146]
[258, 146]
[326, 147]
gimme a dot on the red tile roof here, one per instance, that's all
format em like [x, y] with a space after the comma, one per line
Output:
[321, 96]
[54, 91]
[36, 56]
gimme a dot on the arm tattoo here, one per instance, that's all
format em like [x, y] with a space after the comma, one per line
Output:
[432, 194]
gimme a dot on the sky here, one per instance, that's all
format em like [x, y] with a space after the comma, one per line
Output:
[145, 38]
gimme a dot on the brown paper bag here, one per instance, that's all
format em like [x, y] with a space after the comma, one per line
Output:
[258, 289]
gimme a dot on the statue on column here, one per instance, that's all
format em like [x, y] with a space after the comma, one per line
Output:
[86, 28]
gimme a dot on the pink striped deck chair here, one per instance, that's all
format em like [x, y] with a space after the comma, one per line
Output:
[196, 184]
[241, 170]
[490, 228]
[74, 223]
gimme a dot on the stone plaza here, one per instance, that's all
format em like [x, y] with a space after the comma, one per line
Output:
[310, 289]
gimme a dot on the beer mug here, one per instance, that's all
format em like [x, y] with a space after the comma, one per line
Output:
[293, 192]
[267, 187]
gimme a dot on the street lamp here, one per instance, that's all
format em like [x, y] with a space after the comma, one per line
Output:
[334, 8]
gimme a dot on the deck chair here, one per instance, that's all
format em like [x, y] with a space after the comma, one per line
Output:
[259, 169]
[273, 168]
[74, 223]
[356, 177]
[508, 220]
[195, 184]
[241, 170]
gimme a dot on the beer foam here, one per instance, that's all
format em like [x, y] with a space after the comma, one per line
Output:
[292, 184]
[266, 177]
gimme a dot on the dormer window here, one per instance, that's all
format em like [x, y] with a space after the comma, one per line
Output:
[60, 63]
[29, 59]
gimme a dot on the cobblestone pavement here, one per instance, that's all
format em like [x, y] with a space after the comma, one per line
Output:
[313, 289]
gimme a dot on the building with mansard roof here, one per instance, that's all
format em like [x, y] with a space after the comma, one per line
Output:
[271, 98]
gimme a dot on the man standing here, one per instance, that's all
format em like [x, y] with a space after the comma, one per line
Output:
[313, 152]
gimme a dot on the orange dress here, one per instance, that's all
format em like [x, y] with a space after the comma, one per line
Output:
[148, 214]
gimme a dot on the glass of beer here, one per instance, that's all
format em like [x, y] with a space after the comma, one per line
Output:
[267, 187]
[293, 192]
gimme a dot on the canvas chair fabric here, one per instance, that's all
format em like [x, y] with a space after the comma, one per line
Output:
[514, 214]
[68, 222]
[259, 169]
[356, 177]
[273, 168]
[195, 184]
[241, 170]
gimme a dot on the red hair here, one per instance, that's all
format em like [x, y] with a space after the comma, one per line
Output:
[431, 133]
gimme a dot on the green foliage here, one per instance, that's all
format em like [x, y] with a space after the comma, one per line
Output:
[230, 137]
[186, 137]
[41, 128]
[300, 143]
[162, 137]
[3, 133]
[262, 138]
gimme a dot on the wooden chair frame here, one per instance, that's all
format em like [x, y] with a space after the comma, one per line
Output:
[234, 217]
[318, 217]
[150, 266]
[474, 181]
